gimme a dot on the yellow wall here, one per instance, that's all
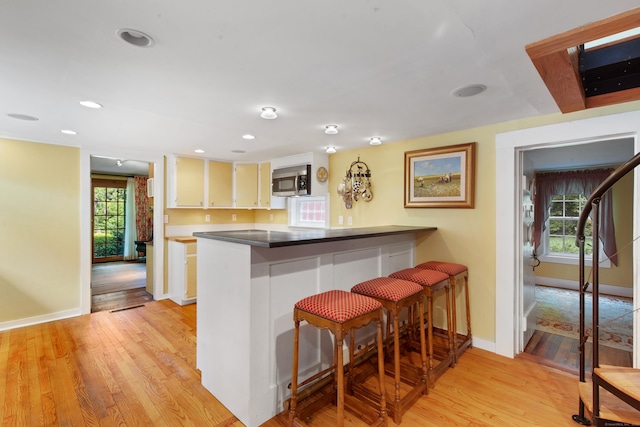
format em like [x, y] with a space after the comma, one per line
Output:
[622, 275]
[465, 236]
[39, 229]
[217, 216]
[280, 216]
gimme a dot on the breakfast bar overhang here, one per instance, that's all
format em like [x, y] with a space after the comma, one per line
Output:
[248, 283]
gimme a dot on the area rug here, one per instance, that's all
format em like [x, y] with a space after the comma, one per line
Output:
[558, 312]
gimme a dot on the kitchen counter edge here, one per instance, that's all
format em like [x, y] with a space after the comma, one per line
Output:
[275, 239]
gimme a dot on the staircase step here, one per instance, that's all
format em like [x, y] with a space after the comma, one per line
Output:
[611, 407]
[627, 380]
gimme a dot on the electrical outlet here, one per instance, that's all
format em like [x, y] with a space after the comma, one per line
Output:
[270, 217]
[340, 220]
[166, 219]
[350, 220]
[207, 218]
[233, 217]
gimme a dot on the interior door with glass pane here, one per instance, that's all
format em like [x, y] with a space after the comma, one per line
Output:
[109, 198]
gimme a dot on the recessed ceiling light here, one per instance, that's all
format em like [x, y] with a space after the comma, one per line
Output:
[69, 132]
[238, 151]
[90, 104]
[375, 140]
[22, 117]
[467, 91]
[268, 113]
[199, 150]
[247, 136]
[331, 129]
[330, 150]
[135, 37]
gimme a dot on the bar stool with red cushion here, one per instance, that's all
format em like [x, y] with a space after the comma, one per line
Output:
[432, 282]
[340, 312]
[456, 272]
[396, 295]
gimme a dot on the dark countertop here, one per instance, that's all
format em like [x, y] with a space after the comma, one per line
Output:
[276, 239]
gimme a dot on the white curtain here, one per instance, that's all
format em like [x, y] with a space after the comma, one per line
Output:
[130, 233]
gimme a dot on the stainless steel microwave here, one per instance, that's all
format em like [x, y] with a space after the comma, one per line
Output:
[291, 181]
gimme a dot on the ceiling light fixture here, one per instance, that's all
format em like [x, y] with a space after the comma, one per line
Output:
[23, 117]
[248, 136]
[331, 129]
[119, 162]
[69, 132]
[238, 151]
[135, 37]
[467, 91]
[268, 113]
[199, 150]
[375, 140]
[90, 104]
[331, 150]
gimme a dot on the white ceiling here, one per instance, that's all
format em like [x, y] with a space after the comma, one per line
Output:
[373, 67]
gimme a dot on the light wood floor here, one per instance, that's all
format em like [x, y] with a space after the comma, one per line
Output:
[137, 367]
[116, 285]
[563, 353]
[116, 276]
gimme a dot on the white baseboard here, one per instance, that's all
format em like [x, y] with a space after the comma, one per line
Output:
[40, 319]
[573, 285]
[483, 344]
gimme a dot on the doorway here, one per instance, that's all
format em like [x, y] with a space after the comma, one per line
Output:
[509, 238]
[121, 225]
[550, 281]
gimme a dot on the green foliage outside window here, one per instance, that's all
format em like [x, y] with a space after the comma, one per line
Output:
[108, 221]
[564, 213]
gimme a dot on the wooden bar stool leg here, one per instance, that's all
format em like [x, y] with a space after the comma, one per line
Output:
[451, 325]
[383, 398]
[340, 375]
[294, 374]
[431, 375]
[423, 349]
[466, 294]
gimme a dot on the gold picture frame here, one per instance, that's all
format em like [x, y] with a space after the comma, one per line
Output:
[442, 177]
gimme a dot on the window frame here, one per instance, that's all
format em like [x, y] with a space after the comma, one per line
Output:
[566, 257]
[295, 205]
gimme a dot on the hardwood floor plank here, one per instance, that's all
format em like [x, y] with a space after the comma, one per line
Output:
[36, 409]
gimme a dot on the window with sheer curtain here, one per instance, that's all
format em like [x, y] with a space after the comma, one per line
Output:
[553, 189]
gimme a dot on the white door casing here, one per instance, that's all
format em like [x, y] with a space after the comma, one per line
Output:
[509, 145]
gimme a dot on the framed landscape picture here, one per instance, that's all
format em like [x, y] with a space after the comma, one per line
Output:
[442, 177]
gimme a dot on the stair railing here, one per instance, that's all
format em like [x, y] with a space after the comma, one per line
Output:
[592, 206]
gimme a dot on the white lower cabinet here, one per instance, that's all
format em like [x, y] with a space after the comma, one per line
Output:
[182, 270]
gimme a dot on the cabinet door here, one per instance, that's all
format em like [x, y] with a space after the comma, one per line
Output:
[220, 184]
[265, 185]
[247, 185]
[191, 276]
[189, 182]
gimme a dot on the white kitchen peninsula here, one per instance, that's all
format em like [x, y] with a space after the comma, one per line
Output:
[248, 282]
